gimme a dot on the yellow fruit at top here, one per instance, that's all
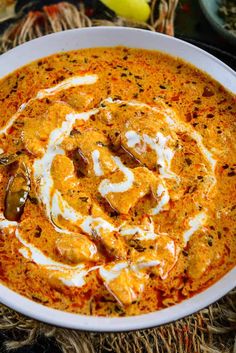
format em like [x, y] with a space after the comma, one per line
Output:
[137, 10]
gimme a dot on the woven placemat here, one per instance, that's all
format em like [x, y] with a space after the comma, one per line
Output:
[212, 330]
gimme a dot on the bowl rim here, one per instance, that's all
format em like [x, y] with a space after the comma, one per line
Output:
[108, 324]
[10, 55]
[80, 322]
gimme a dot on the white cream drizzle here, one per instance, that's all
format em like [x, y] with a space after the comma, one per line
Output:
[159, 145]
[1, 151]
[4, 223]
[91, 225]
[142, 264]
[68, 275]
[141, 233]
[171, 120]
[61, 208]
[67, 83]
[181, 126]
[171, 247]
[197, 137]
[77, 279]
[133, 103]
[162, 193]
[112, 273]
[74, 276]
[209, 156]
[96, 163]
[54, 203]
[36, 255]
[163, 152]
[106, 186]
[195, 224]
[133, 138]
[13, 118]
[56, 206]
[42, 167]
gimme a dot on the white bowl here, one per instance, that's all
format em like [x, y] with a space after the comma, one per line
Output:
[136, 38]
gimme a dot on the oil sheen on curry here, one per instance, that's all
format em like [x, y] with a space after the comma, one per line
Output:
[117, 181]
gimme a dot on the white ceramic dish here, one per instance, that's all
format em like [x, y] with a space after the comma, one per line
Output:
[112, 36]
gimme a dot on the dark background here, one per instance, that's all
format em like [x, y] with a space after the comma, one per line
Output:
[190, 25]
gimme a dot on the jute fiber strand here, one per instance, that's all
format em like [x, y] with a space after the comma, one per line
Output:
[212, 330]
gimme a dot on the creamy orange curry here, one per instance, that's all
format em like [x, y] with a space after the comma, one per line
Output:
[117, 181]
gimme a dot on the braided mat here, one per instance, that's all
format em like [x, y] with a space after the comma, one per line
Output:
[212, 330]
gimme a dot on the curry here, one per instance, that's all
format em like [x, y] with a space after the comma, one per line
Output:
[117, 181]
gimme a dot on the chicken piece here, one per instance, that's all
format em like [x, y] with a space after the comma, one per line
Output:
[150, 140]
[91, 153]
[156, 256]
[200, 256]
[67, 211]
[114, 244]
[141, 180]
[37, 130]
[68, 184]
[61, 278]
[74, 249]
[144, 230]
[63, 174]
[161, 194]
[123, 283]
[149, 123]
[108, 241]
[79, 101]
[115, 112]
[97, 212]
